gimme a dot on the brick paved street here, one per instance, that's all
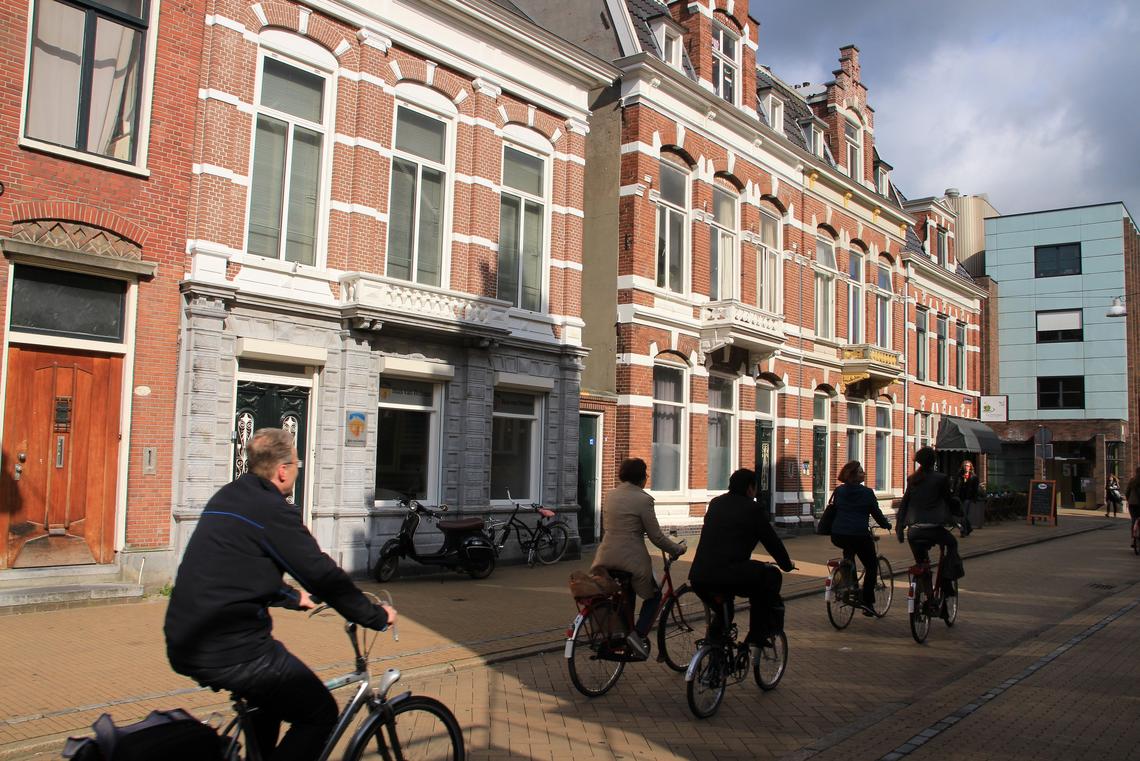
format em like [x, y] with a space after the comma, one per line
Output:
[860, 693]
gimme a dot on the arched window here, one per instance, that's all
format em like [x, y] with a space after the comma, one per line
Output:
[523, 210]
[672, 226]
[824, 285]
[723, 245]
[768, 284]
[855, 302]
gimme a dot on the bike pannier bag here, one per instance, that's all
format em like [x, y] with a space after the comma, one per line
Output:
[172, 735]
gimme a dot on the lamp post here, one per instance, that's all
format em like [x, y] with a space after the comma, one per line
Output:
[1117, 309]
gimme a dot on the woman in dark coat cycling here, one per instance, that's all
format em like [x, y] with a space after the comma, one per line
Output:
[855, 504]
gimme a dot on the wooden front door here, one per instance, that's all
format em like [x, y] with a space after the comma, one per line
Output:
[60, 457]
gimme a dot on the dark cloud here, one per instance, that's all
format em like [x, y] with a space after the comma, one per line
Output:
[1030, 102]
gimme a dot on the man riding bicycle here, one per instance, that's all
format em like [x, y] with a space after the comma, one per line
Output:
[218, 628]
[927, 506]
[734, 525]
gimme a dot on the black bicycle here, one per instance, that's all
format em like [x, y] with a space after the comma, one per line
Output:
[546, 542]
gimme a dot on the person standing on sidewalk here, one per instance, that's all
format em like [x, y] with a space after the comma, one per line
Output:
[855, 505]
[218, 629]
[967, 493]
[628, 516]
[1112, 497]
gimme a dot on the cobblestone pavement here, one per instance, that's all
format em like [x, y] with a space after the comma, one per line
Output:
[866, 692]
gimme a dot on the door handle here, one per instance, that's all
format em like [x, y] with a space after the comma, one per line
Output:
[18, 471]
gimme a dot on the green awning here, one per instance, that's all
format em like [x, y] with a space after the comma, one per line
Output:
[957, 434]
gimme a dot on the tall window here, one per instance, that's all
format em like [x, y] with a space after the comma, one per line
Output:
[775, 108]
[1058, 260]
[671, 48]
[942, 253]
[960, 352]
[725, 62]
[522, 215]
[668, 427]
[1065, 392]
[855, 431]
[854, 139]
[672, 227]
[922, 341]
[722, 246]
[922, 432]
[514, 446]
[943, 351]
[825, 287]
[417, 195]
[406, 433]
[768, 263]
[882, 181]
[721, 406]
[883, 305]
[882, 448]
[1058, 325]
[284, 191]
[814, 137]
[85, 79]
[855, 297]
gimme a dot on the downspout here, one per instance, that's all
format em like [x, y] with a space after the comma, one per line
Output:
[906, 365]
[802, 262]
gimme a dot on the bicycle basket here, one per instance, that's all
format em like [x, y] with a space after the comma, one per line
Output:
[585, 585]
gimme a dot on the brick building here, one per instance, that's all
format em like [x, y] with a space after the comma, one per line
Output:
[767, 268]
[96, 187]
[385, 257]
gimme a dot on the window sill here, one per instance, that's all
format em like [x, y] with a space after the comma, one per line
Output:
[139, 169]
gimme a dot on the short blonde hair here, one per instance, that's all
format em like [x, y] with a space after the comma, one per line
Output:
[268, 448]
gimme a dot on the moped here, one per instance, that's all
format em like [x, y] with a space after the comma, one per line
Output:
[466, 546]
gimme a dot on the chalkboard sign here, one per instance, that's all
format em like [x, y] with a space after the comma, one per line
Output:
[1042, 502]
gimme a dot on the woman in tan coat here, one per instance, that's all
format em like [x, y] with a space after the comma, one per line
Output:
[627, 517]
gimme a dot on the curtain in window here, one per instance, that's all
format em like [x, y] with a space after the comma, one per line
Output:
[429, 253]
[267, 188]
[114, 90]
[304, 179]
[667, 425]
[57, 62]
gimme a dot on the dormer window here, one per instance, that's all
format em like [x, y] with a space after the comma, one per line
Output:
[671, 47]
[725, 63]
[775, 109]
[814, 137]
[941, 251]
[854, 139]
[882, 181]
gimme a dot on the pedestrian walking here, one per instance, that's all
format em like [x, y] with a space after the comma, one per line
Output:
[1113, 499]
[967, 493]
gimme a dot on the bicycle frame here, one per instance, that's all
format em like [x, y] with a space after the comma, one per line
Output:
[920, 572]
[518, 526]
[618, 599]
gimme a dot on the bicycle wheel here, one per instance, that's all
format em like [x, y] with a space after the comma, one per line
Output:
[421, 729]
[951, 605]
[884, 588]
[919, 615]
[550, 545]
[682, 620]
[707, 679]
[839, 607]
[773, 661]
[593, 670]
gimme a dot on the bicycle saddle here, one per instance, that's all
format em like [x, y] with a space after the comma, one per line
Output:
[462, 524]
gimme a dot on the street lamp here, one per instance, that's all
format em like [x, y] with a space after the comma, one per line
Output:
[1117, 309]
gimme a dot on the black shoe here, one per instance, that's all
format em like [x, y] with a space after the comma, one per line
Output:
[868, 610]
[638, 645]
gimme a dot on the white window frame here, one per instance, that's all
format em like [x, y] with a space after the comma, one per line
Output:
[536, 428]
[813, 136]
[942, 247]
[922, 344]
[733, 425]
[671, 38]
[883, 434]
[668, 208]
[720, 32]
[856, 432]
[436, 413]
[942, 334]
[921, 430]
[824, 288]
[854, 149]
[411, 97]
[960, 355]
[774, 110]
[884, 296]
[139, 165]
[294, 51]
[725, 285]
[769, 276]
[683, 407]
[545, 202]
[883, 181]
[856, 303]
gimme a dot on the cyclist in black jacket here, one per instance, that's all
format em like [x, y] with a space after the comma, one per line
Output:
[218, 629]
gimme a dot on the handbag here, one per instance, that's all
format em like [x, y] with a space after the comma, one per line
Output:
[823, 528]
[172, 735]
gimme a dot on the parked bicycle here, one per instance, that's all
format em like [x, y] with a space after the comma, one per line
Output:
[546, 542]
[406, 726]
[929, 596]
[596, 648]
[843, 588]
[722, 659]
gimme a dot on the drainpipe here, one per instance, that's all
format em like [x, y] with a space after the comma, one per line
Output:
[801, 261]
[906, 365]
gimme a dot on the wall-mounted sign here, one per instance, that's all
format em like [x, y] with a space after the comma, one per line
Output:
[355, 428]
[995, 409]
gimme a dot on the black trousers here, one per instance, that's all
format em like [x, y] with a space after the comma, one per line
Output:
[862, 547]
[281, 688]
[922, 539]
[760, 583]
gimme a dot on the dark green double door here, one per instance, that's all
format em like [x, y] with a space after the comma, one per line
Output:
[269, 405]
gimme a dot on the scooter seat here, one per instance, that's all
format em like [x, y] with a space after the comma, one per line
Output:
[462, 524]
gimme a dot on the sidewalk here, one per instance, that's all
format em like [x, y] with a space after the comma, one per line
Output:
[72, 665]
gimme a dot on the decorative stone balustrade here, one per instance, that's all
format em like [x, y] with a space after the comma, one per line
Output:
[403, 302]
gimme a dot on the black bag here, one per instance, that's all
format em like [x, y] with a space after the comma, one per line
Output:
[823, 528]
[172, 735]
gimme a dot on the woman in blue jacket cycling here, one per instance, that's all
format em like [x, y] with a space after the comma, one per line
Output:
[854, 505]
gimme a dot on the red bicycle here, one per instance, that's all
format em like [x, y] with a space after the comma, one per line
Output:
[929, 596]
[596, 647]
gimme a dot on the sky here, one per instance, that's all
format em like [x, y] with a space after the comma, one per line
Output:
[1034, 103]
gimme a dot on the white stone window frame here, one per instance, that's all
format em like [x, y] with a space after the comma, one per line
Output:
[435, 105]
[536, 428]
[856, 431]
[854, 148]
[530, 142]
[942, 338]
[823, 287]
[719, 32]
[671, 45]
[139, 166]
[942, 247]
[856, 296]
[729, 236]
[686, 226]
[922, 344]
[774, 110]
[434, 432]
[883, 434]
[683, 406]
[883, 181]
[766, 255]
[884, 298]
[734, 420]
[302, 53]
[960, 353]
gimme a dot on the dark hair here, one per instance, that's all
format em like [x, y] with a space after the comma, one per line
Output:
[925, 458]
[1132, 483]
[739, 481]
[268, 448]
[633, 471]
[847, 472]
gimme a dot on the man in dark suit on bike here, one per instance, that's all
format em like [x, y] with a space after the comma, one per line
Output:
[927, 506]
[734, 525]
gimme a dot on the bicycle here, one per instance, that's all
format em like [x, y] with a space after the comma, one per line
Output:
[596, 649]
[721, 659]
[406, 726]
[843, 588]
[546, 542]
[927, 596]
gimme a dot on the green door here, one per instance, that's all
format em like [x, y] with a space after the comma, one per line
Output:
[268, 405]
[819, 468]
[588, 435]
